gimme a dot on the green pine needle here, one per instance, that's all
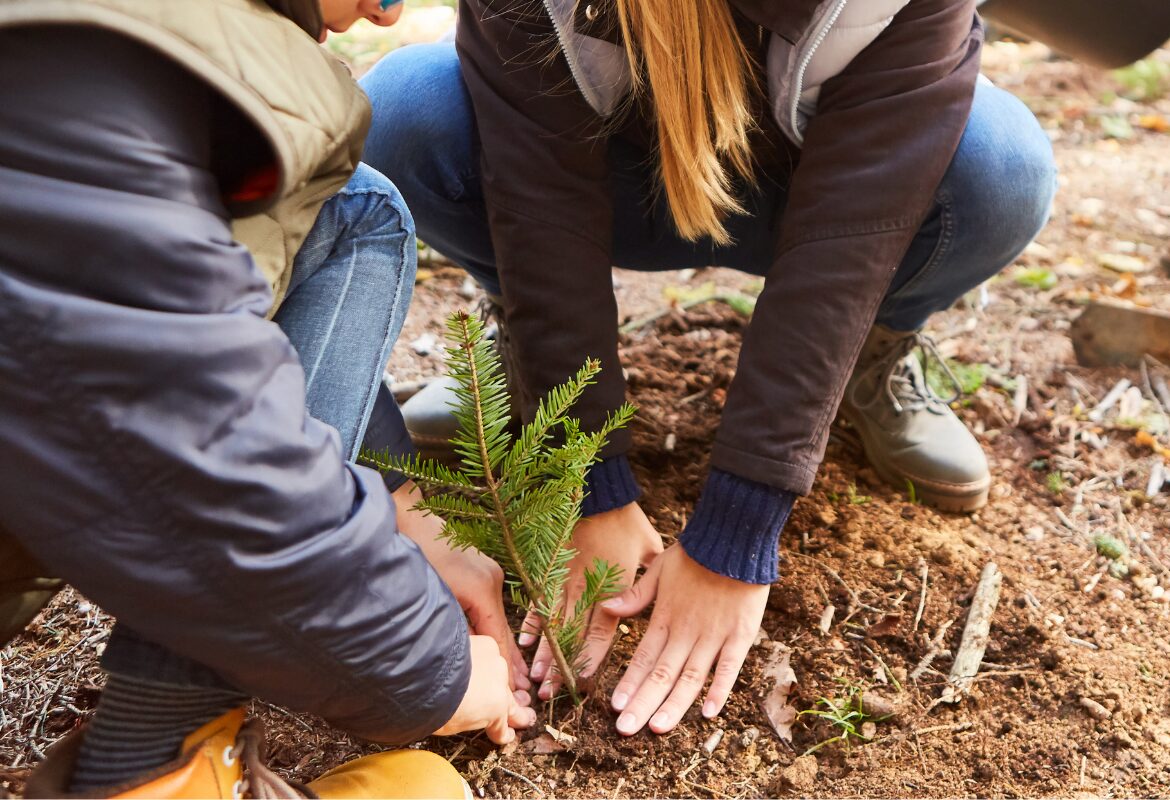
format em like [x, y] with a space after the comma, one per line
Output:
[518, 499]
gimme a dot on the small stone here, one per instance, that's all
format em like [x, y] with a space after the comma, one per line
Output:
[1122, 739]
[868, 730]
[669, 444]
[827, 517]
[1095, 709]
[749, 736]
[878, 707]
[424, 344]
[876, 559]
[1034, 534]
[801, 773]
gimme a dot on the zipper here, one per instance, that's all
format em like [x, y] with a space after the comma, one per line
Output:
[569, 57]
[827, 24]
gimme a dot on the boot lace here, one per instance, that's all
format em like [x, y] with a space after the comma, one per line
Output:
[903, 383]
[258, 781]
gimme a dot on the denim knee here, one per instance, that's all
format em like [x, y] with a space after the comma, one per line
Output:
[1003, 178]
[371, 203]
[422, 130]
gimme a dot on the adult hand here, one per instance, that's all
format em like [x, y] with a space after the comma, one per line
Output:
[476, 581]
[489, 702]
[623, 537]
[701, 619]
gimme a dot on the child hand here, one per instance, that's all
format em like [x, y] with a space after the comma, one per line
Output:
[489, 702]
[476, 581]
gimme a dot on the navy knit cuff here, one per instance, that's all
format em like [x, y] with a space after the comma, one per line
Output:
[610, 484]
[735, 530]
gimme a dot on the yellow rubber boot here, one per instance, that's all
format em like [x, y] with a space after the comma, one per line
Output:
[396, 774]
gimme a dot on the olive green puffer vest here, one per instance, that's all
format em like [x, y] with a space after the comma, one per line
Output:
[300, 99]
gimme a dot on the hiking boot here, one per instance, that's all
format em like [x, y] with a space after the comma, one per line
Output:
[225, 758]
[429, 415]
[911, 436]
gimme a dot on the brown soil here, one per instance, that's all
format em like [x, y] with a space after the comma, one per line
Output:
[1066, 629]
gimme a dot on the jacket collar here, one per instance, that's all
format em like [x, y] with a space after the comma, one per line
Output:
[787, 18]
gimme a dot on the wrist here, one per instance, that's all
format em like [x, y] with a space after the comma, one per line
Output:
[735, 530]
[609, 485]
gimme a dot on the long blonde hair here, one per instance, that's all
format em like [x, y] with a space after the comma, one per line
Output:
[689, 61]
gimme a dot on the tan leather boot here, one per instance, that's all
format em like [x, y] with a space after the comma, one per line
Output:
[224, 759]
[910, 435]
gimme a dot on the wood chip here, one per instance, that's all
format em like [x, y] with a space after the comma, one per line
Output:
[712, 742]
[975, 635]
[826, 619]
[1110, 400]
[1095, 709]
[1111, 332]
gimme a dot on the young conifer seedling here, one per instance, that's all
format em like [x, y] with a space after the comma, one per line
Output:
[517, 499]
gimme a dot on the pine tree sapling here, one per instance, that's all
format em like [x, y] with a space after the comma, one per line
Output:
[518, 499]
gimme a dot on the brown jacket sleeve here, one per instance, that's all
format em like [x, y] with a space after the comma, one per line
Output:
[545, 182]
[884, 133]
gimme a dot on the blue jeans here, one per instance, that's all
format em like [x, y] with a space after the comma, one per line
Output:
[346, 302]
[994, 199]
[347, 299]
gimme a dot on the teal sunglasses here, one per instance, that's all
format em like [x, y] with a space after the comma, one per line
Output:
[387, 4]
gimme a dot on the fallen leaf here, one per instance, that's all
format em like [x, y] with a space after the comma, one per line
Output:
[1144, 438]
[543, 745]
[1154, 122]
[779, 711]
[886, 625]
[1119, 262]
[560, 736]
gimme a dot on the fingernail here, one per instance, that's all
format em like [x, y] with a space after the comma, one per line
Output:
[525, 639]
[627, 723]
[612, 603]
[660, 721]
[539, 668]
[523, 698]
[710, 709]
[531, 718]
[545, 691]
[619, 701]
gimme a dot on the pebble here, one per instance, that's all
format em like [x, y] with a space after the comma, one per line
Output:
[877, 559]
[877, 706]
[669, 444]
[1034, 534]
[801, 773]
[424, 344]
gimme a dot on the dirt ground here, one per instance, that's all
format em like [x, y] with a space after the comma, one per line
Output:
[1073, 697]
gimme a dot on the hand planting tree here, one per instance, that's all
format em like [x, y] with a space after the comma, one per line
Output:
[518, 499]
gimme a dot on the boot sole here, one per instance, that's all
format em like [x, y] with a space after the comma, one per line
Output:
[958, 498]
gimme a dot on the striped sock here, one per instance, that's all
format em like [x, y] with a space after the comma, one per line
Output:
[140, 725]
